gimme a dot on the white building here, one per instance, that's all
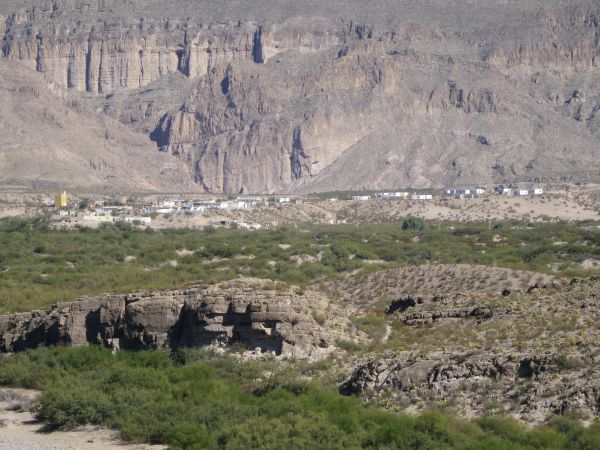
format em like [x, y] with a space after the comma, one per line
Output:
[536, 191]
[237, 205]
[114, 210]
[361, 198]
[208, 204]
[421, 197]
[392, 194]
[192, 208]
[479, 191]
[520, 192]
[252, 201]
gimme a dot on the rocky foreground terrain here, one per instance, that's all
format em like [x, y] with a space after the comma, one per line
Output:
[526, 352]
[297, 96]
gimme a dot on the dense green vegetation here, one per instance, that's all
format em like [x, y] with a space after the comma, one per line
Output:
[40, 266]
[191, 400]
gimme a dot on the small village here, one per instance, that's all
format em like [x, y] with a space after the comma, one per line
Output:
[78, 210]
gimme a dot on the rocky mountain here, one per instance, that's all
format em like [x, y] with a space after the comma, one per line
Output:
[306, 96]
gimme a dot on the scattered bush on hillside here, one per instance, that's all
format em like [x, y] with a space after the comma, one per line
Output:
[413, 223]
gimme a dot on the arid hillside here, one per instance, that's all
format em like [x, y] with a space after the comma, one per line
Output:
[50, 141]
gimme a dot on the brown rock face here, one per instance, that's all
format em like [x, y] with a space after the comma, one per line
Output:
[279, 322]
[312, 96]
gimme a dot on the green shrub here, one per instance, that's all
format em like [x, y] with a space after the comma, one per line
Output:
[413, 223]
[193, 400]
[90, 261]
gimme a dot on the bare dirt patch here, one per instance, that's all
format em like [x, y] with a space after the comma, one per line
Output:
[22, 431]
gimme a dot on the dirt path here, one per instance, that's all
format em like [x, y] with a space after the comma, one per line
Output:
[20, 430]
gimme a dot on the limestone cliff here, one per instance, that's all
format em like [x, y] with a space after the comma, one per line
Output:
[310, 96]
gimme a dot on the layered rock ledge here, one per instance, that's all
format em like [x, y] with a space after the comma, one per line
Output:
[278, 321]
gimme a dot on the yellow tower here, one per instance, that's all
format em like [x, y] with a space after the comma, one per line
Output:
[60, 201]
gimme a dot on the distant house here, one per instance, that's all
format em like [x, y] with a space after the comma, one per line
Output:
[208, 204]
[60, 201]
[520, 192]
[361, 198]
[536, 191]
[283, 200]
[421, 197]
[192, 208]
[237, 205]
[155, 209]
[392, 194]
[113, 210]
[462, 193]
[252, 201]
[506, 191]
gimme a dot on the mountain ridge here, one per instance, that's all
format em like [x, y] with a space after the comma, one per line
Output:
[267, 98]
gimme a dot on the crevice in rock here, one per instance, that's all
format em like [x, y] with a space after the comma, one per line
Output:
[298, 155]
[258, 53]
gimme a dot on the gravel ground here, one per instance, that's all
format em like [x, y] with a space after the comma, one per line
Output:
[20, 431]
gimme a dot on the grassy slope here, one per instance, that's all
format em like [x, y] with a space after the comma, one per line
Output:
[39, 266]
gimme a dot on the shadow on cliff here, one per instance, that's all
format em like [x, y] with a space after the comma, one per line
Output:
[200, 329]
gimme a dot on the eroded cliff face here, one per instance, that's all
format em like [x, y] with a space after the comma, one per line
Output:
[270, 98]
[278, 322]
[107, 52]
[566, 38]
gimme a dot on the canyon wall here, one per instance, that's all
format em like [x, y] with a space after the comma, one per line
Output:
[282, 97]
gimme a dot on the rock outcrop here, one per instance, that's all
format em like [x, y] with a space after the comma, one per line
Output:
[274, 321]
[527, 353]
[528, 386]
